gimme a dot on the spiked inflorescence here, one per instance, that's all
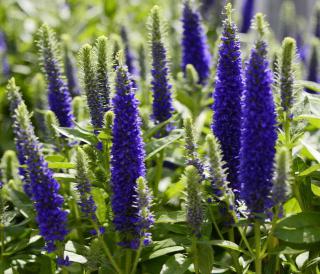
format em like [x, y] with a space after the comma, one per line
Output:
[217, 173]
[258, 132]
[286, 74]
[83, 186]
[58, 93]
[42, 187]
[127, 160]
[195, 214]
[247, 15]
[90, 86]
[102, 69]
[313, 70]
[162, 101]
[227, 99]
[195, 50]
[191, 148]
[281, 181]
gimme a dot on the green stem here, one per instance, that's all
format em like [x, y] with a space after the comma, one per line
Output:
[215, 224]
[257, 236]
[2, 247]
[273, 225]
[195, 255]
[106, 250]
[137, 257]
[128, 260]
[234, 254]
[158, 175]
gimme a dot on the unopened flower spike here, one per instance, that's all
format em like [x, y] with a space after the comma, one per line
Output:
[90, 86]
[51, 122]
[9, 164]
[59, 97]
[257, 151]
[247, 15]
[195, 213]
[191, 148]
[195, 49]
[15, 99]
[227, 98]
[144, 203]
[162, 107]
[44, 189]
[127, 159]
[287, 74]
[102, 72]
[281, 181]
[217, 172]
[83, 185]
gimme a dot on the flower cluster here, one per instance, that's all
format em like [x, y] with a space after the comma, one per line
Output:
[43, 187]
[127, 160]
[59, 97]
[161, 88]
[195, 50]
[227, 96]
[258, 132]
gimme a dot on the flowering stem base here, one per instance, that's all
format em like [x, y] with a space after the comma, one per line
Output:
[257, 236]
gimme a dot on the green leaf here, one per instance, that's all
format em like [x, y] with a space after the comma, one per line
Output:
[314, 152]
[164, 251]
[171, 217]
[301, 228]
[225, 244]
[312, 119]
[152, 131]
[61, 165]
[64, 178]
[55, 158]
[78, 134]
[157, 145]
[310, 85]
[99, 198]
[309, 170]
[176, 264]
[206, 260]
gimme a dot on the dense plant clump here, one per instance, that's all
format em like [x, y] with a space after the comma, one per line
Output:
[169, 144]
